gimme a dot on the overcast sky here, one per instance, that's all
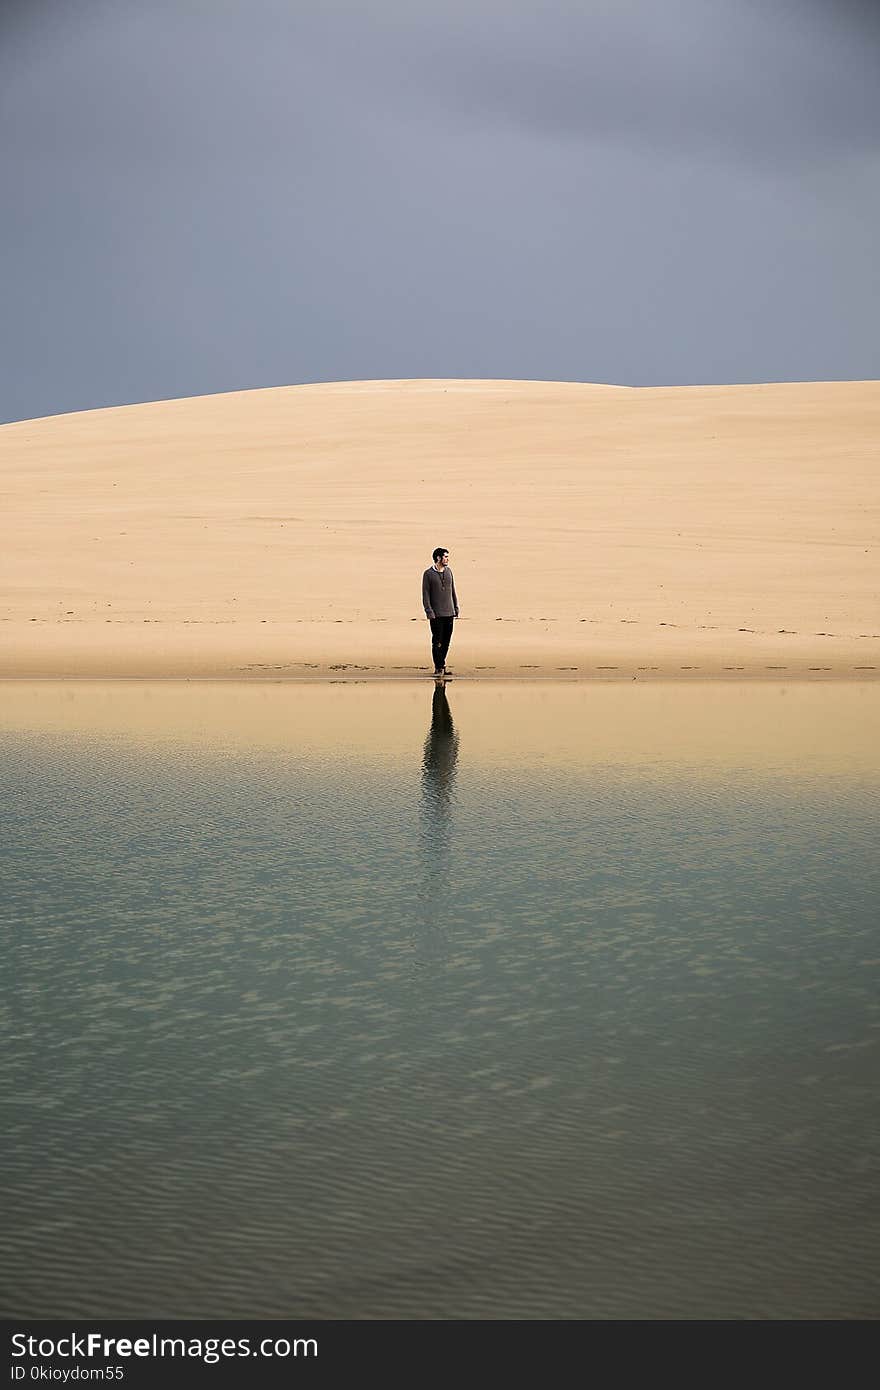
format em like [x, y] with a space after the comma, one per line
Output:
[206, 195]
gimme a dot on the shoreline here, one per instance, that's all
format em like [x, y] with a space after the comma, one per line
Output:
[780, 675]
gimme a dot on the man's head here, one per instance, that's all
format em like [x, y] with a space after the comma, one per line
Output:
[441, 556]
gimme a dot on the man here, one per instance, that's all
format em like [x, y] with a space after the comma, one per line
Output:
[441, 606]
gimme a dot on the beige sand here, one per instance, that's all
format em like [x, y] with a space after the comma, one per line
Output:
[595, 532]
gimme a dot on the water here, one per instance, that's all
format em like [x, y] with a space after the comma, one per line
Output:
[504, 1004]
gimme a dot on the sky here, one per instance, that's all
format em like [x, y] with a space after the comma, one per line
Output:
[211, 195]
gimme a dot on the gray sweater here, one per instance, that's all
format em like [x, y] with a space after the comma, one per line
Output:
[438, 593]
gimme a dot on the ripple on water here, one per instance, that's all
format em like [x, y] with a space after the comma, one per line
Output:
[295, 1037]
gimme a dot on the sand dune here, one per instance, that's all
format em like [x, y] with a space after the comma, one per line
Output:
[595, 532]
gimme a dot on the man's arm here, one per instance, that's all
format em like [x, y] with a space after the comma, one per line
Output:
[426, 596]
[454, 597]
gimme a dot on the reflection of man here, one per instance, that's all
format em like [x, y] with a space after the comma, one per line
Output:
[441, 606]
[440, 757]
[438, 779]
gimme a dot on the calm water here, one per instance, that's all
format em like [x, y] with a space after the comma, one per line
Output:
[435, 1036]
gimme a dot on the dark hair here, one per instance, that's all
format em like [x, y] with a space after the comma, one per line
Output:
[441, 550]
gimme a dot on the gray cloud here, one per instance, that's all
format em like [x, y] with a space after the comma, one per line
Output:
[206, 196]
[763, 82]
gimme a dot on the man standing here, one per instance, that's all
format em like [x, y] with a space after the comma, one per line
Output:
[441, 606]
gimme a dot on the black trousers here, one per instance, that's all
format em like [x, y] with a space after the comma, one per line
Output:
[441, 636]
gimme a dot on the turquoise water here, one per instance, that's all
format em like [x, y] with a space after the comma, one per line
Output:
[294, 1035]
